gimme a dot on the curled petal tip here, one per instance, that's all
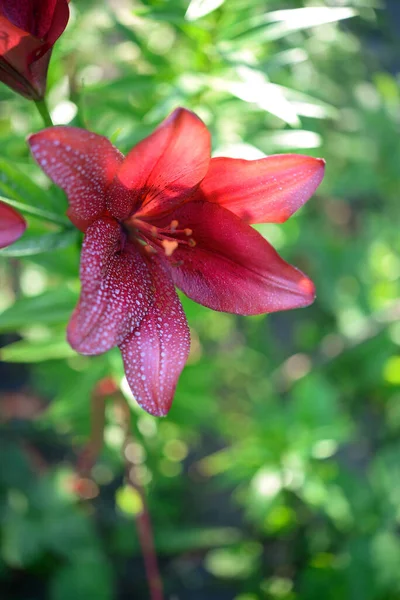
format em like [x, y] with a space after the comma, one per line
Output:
[307, 287]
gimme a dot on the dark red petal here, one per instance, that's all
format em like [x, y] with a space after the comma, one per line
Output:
[116, 290]
[12, 225]
[161, 170]
[52, 22]
[16, 49]
[19, 14]
[82, 163]
[155, 354]
[232, 267]
[37, 17]
[268, 190]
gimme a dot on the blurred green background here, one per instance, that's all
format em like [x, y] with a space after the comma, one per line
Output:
[276, 475]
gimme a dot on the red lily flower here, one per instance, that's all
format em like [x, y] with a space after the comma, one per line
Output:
[12, 225]
[169, 215]
[28, 31]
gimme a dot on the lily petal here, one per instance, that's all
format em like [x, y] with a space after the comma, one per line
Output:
[29, 32]
[12, 225]
[155, 354]
[268, 190]
[44, 19]
[160, 171]
[82, 163]
[116, 290]
[230, 267]
[16, 46]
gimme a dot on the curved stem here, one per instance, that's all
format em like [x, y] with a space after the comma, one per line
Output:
[91, 451]
[44, 112]
[87, 459]
[143, 519]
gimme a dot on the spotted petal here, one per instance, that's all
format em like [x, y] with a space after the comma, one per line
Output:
[231, 267]
[160, 171]
[12, 225]
[268, 190]
[156, 352]
[116, 290]
[82, 163]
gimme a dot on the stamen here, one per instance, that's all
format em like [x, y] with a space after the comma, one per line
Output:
[188, 231]
[169, 246]
[192, 243]
[154, 231]
[174, 225]
[150, 249]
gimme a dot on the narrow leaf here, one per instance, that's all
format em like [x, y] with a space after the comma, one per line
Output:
[15, 184]
[26, 351]
[36, 212]
[52, 307]
[201, 8]
[278, 24]
[36, 244]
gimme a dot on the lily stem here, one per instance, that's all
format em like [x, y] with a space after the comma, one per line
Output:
[44, 112]
[91, 451]
[143, 519]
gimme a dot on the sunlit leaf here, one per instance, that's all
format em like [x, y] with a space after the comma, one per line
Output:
[288, 140]
[201, 8]
[277, 24]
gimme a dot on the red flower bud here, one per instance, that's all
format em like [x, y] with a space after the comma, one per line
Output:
[12, 225]
[28, 31]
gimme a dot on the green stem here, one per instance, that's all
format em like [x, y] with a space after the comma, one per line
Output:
[143, 519]
[44, 112]
[36, 212]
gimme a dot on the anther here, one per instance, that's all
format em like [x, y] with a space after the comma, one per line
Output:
[150, 249]
[174, 225]
[169, 246]
[154, 231]
[192, 243]
[187, 231]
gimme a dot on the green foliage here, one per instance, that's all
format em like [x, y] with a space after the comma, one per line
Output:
[276, 474]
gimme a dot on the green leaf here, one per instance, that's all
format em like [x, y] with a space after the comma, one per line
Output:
[201, 8]
[278, 24]
[88, 577]
[54, 306]
[22, 542]
[36, 244]
[18, 186]
[31, 352]
[35, 212]
[285, 140]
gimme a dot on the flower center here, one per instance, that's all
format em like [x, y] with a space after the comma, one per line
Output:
[154, 239]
